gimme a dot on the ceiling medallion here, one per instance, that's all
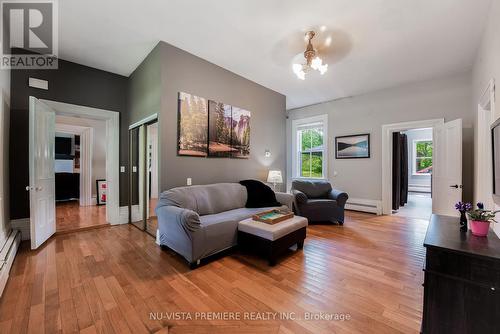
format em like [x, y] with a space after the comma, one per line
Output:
[313, 61]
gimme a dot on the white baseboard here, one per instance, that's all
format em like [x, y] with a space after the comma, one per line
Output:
[23, 226]
[7, 255]
[364, 205]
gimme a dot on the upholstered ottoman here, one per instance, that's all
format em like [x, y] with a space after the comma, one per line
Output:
[271, 240]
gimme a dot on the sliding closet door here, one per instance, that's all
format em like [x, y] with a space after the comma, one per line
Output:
[152, 190]
[136, 195]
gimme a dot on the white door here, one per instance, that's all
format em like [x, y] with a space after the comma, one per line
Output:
[447, 168]
[41, 170]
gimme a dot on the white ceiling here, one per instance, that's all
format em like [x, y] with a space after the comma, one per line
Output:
[375, 43]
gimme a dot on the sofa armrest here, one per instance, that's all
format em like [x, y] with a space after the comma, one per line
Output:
[299, 196]
[188, 219]
[338, 195]
[285, 199]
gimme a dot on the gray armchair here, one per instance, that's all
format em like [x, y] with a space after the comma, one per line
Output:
[318, 201]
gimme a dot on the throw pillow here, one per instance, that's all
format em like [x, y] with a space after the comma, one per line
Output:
[259, 194]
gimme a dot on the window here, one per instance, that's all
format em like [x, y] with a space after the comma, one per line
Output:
[422, 157]
[309, 158]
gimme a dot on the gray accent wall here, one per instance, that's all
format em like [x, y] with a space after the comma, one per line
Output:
[184, 72]
[71, 83]
[449, 98]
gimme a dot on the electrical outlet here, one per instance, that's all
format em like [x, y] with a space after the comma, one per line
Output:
[122, 169]
[189, 181]
[134, 169]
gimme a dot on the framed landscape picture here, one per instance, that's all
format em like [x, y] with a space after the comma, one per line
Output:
[240, 133]
[352, 147]
[219, 129]
[192, 126]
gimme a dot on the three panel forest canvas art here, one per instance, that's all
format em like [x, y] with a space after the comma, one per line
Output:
[211, 128]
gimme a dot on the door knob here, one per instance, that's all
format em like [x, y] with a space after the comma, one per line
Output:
[28, 188]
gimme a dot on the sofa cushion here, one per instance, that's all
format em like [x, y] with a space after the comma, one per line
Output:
[259, 194]
[313, 189]
[206, 199]
[233, 215]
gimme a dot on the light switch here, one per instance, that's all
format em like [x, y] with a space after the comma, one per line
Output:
[122, 169]
[189, 181]
[134, 169]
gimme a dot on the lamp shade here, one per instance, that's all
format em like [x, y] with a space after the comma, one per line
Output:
[274, 176]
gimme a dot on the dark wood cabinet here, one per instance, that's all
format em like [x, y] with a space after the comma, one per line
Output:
[461, 281]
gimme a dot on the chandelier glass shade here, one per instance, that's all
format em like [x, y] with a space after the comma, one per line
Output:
[313, 61]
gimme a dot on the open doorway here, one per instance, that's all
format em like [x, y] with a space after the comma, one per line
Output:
[412, 173]
[80, 169]
[447, 162]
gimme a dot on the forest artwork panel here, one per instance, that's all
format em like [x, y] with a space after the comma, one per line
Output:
[192, 126]
[240, 133]
[220, 125]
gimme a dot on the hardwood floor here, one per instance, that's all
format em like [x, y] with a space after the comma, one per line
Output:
[70, 216]
[109, 280]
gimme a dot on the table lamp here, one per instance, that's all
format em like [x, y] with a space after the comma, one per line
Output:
[274, 177]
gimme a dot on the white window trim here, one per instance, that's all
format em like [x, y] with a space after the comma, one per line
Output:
[414, 157]
[296, 124]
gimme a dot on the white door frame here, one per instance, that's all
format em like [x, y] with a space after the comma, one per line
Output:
[483, 166]
[112, 119]
[86, 145]
[387, 131]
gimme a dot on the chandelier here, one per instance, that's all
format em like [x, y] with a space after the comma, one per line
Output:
[313, 61]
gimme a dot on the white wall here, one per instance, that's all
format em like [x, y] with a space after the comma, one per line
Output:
[487, 66]
[448, 98]
[420, 182]
[4, 155]
[99, 146]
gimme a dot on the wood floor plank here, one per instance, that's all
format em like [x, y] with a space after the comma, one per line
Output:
[117, 280]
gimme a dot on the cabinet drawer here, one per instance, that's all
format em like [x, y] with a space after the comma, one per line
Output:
[482, 271]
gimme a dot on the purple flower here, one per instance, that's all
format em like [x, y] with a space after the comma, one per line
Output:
[463, 207]
[480, 206]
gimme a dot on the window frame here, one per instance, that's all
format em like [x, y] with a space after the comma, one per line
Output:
[414, 156]
[302, 124]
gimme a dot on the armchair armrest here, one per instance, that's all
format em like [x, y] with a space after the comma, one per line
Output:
[187, 219]
[299, 196]
[338, 195]
[285, 199]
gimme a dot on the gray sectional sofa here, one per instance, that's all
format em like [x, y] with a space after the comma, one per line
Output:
[202, 220]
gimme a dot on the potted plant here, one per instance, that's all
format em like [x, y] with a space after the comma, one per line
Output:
[480, 219]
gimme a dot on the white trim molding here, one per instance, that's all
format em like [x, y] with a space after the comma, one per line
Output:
[483, 166]
[148, 119]
[296, 124]
[112, 119]
[387, 131]
[364, 205]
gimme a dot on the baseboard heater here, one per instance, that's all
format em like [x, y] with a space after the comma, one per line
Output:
[364, 205]
[7, 255]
